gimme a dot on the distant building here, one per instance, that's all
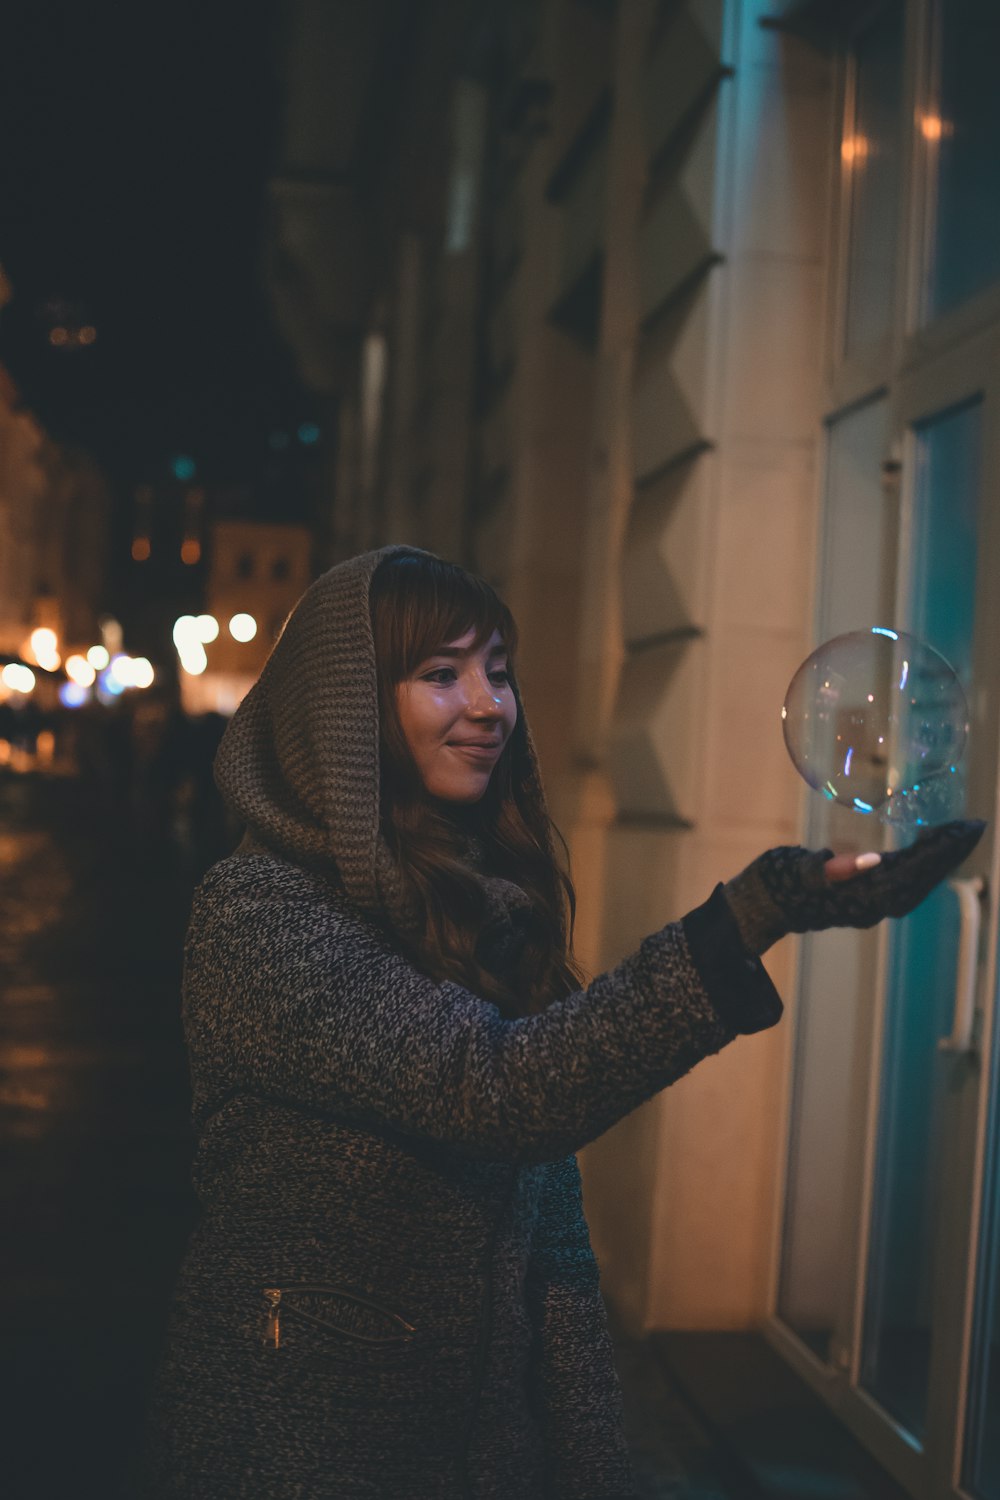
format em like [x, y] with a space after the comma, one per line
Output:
[258, 570]
[55, 508]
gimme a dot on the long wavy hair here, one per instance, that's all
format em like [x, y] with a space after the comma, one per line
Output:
[419, 603]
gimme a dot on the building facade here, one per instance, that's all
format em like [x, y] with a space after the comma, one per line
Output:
[257, 570]
[680, 323]
[55, 508]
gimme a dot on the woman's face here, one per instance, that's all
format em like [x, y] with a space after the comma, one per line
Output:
[457, 711]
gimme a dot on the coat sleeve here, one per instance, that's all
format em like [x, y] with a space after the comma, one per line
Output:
[575, 1391]
[289, 996]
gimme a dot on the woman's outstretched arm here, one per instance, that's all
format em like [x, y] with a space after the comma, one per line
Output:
[288, 996]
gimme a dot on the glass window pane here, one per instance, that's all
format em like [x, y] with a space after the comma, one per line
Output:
[960, 130]
[837, 968]
[922, 956]
[870, 154]
[981, 1474]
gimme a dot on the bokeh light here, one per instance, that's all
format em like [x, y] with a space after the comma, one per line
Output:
[243, 627]
[17, 677]
[80, 670]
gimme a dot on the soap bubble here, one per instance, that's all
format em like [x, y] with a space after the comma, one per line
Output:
[877, 720]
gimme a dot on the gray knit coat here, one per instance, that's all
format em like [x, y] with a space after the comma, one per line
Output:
[391, 1292]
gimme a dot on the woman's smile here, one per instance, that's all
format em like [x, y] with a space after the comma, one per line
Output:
[457, 711]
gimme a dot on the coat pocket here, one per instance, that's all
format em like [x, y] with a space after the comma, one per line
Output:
[331, 1320]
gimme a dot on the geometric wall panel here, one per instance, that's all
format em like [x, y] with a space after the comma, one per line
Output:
[663, 562]
[681, 69]
[670, 385]
[652, 753]
[584, 215]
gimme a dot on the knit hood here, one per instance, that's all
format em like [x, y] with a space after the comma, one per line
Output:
[299, 761]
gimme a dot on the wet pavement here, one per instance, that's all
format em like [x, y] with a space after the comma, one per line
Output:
[94, 1152]
[94, 1144]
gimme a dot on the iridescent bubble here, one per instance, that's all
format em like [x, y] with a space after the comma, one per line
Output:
[877, 721]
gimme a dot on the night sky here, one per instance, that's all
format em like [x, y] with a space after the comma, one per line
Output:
[136, 143]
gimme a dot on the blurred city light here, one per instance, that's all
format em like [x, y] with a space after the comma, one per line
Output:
[73, 694]
[80, 670]
[98, 656]
[243, 627]
[120, 671]
[188, 641]
[208, 628]
[183, 467]
[130, 671]
[44, 648]
[19, 678]
[193, 659]
[111, 634]
[308, 433]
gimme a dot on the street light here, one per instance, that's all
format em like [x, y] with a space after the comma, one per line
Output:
[243, 627]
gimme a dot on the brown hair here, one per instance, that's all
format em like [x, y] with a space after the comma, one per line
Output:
[418, 603]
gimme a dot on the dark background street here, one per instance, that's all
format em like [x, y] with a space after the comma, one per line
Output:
[94, 1142]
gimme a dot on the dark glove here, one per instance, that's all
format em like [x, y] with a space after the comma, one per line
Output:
[786, 889]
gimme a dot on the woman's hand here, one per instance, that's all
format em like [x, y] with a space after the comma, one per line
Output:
[844, 866]
[791, 889]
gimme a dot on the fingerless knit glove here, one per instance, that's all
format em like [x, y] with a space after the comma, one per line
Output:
[786, 889]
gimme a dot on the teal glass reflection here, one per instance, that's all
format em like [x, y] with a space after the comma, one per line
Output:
[981, 1470]
[961, 131]
[923, 951]
[837, 968]
[871, 162]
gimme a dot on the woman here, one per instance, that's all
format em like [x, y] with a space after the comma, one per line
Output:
[392, 1292]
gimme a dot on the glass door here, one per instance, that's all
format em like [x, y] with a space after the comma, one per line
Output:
[920, 1073]
[890, 1264]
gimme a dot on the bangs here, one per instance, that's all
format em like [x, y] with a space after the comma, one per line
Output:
[428, 603]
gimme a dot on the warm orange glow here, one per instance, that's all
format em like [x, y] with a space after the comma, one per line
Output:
[854, 148]
[44, 647]
[933, 128]
[243, 627]
[140, 549]
[58, 336]
[88, 334]
[17, 677]
[80, 671]
[190, 550]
